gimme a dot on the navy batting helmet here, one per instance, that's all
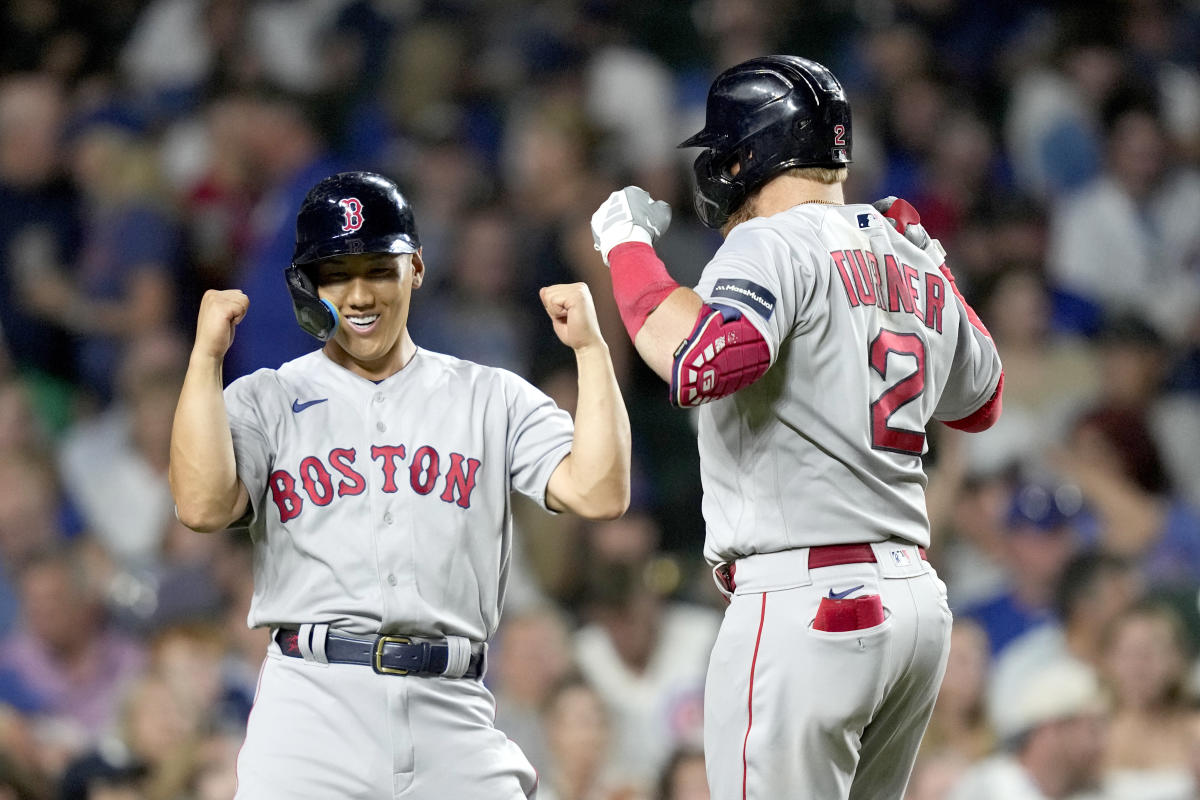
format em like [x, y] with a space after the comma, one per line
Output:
[766, 115]
[345, 214]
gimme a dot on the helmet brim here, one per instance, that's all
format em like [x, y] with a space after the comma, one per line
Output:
[704, 138]
[397, 244]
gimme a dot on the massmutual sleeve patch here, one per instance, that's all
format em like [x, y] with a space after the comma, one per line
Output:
[748, 292]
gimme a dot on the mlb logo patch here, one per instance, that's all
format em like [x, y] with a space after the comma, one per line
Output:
[900, 558]
[864, 220]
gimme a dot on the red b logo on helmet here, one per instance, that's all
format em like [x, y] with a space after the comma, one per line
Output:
[352, 211]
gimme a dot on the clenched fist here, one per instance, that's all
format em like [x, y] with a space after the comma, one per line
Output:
[220, 312]
[629, 215]
[573, 314]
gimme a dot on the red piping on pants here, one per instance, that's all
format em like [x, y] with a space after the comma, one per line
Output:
[750, 702]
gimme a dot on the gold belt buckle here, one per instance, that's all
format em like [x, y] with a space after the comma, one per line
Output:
[378, 662]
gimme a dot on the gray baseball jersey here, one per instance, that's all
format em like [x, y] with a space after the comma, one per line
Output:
[868, 342]
[384, 508]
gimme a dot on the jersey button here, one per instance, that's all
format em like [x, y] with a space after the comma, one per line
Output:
[388, 518]
[379, 397]
[391, 580]
[379, 426]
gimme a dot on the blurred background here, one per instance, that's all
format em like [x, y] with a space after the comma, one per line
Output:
[152, 149]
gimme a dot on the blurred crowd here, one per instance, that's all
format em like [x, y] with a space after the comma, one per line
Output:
[152, 149]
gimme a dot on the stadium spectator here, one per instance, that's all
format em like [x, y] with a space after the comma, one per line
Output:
[115, 464]
[1112, 456]
[647, 658]
[1040, 538]
[64, 655]
[1053, 127]
[287, 155]
[1055, 738]
[1093, 591]
[1126, 241]
[579, 740]
[476, 315]
[683, 776]
[1135, 360]
[121, 283]
[1049, 376]
[1145, 665]
[39, 225]
[960, 722]
[522, 685]
[33, 518]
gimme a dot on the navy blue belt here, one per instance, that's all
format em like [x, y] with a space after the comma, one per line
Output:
[387, 655]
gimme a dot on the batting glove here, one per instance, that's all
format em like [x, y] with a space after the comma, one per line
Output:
[907, 221]
[629, 215]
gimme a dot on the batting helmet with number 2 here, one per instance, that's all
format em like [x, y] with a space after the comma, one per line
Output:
[345, 214]
[766, 115]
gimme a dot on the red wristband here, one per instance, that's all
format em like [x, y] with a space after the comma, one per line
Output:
[640, 283]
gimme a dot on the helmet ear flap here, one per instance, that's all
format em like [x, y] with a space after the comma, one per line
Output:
[315, 315]
[718, 193]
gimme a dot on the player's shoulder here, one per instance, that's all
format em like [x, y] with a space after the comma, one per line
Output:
[762, 237]
[452, 366]
[269, 379]
[461, 370]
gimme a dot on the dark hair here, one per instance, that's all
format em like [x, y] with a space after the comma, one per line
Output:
[666, 778]
[573, 679]
[1082, 576]
[1129, 434]
[1130, 329]
[1130, 97]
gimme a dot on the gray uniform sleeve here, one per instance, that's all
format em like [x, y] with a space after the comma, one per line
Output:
[758, 274]
[251, 448]
[539, 438]
[974, 372]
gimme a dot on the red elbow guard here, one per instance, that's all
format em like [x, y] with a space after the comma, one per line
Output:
[724, 353]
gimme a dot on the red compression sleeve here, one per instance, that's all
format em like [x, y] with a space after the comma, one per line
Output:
[985, 416]
[640, 283]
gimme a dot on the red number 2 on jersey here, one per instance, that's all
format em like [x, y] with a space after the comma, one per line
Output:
[898, 394]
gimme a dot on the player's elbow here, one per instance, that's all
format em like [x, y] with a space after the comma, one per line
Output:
[200, 519]
[986, 416]
[207, 514]
[604, 500]
[607, 508]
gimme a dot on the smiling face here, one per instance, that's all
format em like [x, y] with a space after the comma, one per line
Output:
[371, 293]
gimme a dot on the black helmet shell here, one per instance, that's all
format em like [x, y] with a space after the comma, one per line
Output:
[354, 212]
[767, 115]
[345, 214]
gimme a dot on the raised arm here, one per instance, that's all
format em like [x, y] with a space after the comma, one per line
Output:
[593, 480]
[701, 351]
[203, 474]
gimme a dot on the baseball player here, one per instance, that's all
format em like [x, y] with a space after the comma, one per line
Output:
[375, 479]
[821, 340]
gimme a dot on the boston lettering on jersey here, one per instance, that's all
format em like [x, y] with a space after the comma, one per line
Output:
[897, 287]
[315, 477]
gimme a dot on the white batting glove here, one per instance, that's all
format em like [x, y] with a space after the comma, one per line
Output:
[629, 215]
[905, 219]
